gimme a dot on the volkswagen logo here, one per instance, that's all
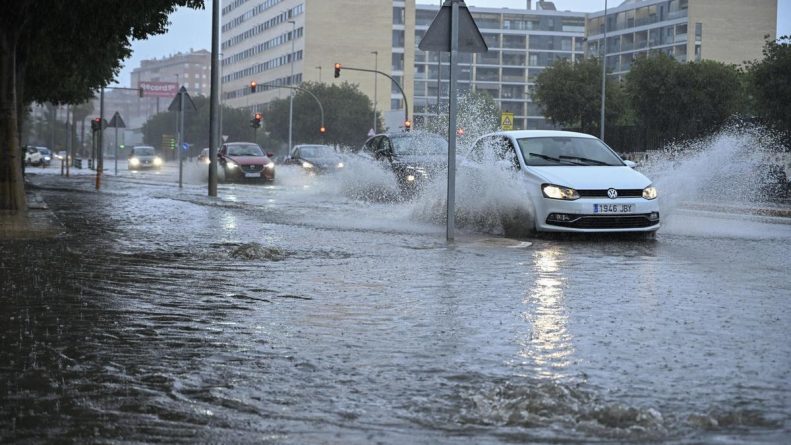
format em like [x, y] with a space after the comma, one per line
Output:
[612, 193]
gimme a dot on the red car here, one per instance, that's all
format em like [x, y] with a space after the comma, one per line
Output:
[242, 161]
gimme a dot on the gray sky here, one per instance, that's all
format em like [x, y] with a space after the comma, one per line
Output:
[192, 29]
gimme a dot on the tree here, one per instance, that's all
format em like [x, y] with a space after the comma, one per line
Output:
[570, 94]
[235, 125]
[61, 52]
[347, 115]
[671, 99]
[770, 79]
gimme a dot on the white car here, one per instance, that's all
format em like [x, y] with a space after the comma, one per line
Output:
[33, 156]
[574, 181]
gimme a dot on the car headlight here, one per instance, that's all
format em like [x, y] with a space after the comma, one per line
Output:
[307, 164]
[157, 161]
[649, 192]
[134, 162]
[410, 178]
[230, 164]
[340, 165]
[558, 192]
[270, 166]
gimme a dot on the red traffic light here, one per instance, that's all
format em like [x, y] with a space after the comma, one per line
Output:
[253, 86]
[322, 130]
[407, 125]
[258, 116]
[460, 132]
[337, 70]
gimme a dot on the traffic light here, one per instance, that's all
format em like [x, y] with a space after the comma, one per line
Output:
[337, 70]
[460, 132]
[96, 124]
[140, 92]
[407, 125]
[322, 130]
[255, 122]
[253, 86]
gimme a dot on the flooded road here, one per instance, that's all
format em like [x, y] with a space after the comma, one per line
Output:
[312, 311]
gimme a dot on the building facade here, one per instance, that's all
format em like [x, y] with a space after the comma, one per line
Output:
[728, 31]
[190, 70]
[279, 43]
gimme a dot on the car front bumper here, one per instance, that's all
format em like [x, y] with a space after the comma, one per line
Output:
[581, 215]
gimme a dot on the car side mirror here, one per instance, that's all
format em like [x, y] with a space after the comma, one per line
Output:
[630, 164]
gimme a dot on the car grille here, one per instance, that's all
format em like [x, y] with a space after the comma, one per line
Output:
[252, 168]
[624, 193]
[607, 222]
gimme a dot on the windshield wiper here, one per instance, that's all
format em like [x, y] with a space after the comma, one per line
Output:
[550, 158]
[593, 161]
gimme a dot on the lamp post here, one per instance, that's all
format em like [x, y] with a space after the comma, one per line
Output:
[603, 72]
[290, 80]
[376, 68]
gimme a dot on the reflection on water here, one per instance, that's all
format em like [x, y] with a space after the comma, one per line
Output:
[549, 344]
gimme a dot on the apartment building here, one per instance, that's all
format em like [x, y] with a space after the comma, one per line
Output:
[729, 31]
[279, 43]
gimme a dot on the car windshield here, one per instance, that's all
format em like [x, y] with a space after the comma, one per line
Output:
[317, 151]
[562, 150]
[245, 150]
[420, 145]
[205, 152]
[144, 151]
[45, 151]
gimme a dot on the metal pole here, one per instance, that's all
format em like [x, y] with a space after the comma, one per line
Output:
[181, 135]
[376, 68]
[214, 103]
[439, 76]
[99, 154]
[116, 149]
[603, 72]
[290, 80]
[70, 128]
[454, 55]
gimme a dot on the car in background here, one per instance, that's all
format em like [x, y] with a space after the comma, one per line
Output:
[245, 161]
[144, 157]
[46, 156]
[32, 156]
[574, 181]
[414, 157]
[315, 158]
[203, 157]
[773, 182]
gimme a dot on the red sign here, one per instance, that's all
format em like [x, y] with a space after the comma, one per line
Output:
[159, 89]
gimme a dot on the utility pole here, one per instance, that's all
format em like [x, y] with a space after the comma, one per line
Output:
[214, 103]
[603, 72]
[376, 68]
[290, 80]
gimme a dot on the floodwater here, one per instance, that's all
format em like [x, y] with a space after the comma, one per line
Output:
[318, 310]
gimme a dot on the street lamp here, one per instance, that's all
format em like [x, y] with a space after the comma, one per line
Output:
[376, 68]
[291, 79]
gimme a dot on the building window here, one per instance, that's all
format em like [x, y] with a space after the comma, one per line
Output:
[398, 15]
[398, 39]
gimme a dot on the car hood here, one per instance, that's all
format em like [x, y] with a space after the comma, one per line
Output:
[592, 177]
[421, 160]
[146, 157]
[250, 160]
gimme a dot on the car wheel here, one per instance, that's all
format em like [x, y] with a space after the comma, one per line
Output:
[518, 224]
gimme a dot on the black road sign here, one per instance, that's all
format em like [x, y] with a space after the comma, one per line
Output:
[437, 37]
[176, 104]
[116, 121]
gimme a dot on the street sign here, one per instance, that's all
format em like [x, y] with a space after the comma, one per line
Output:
[507, 121]
[175, 105]
[225, 138]
[437, 36]
[116, 121]
[159, 89]
[371, 133]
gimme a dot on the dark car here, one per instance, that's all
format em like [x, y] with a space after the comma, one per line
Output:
[414, 157]
[773, 182]
[242, 161]
[316, 158]
[144, 157]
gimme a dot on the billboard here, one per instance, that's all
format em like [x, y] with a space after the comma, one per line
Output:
[159, 89]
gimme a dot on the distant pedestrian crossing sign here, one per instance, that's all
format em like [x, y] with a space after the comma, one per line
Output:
[507, 121]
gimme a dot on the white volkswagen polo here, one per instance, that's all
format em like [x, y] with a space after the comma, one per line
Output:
[575, 182]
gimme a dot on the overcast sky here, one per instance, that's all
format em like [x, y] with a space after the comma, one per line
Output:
[191, 29]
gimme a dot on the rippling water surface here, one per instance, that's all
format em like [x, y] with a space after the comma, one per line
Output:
[306, 312]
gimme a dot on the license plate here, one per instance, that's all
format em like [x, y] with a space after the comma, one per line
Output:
[252, 175]
[613, 208]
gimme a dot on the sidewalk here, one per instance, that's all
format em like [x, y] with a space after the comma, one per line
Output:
[39, 223]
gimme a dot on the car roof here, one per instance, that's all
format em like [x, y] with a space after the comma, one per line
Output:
[142, 146]
[240, 143]
[520, 134]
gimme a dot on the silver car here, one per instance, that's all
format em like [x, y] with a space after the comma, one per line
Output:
[144, 156]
